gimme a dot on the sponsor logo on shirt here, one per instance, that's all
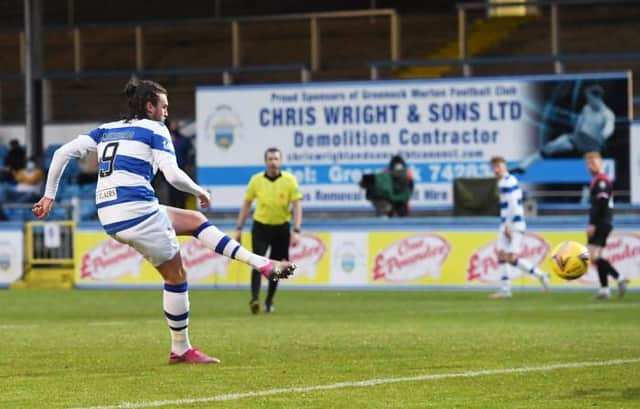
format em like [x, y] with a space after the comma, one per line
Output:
[106, 195]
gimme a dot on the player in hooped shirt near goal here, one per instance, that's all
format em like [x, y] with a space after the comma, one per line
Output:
[130, 152]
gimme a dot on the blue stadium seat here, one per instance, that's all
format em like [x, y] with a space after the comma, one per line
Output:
[88, 191]
[3, 154]
[50, 149]
[57, 213]
[67, 191]
[48, 155]
[88, 210]
[12, 213]
[27, 215]
[19, 213]
[71, 171]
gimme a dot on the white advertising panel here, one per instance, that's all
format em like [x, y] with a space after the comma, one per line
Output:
[333, 133]
[349, 258]
[11, 256]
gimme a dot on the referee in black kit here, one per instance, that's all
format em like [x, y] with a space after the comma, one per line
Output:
[600, 225]
[276, 193]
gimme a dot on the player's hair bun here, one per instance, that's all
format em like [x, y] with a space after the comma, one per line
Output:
[138, 93]
[130, 88]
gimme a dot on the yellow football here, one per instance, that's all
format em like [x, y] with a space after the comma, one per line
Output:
[570, 260]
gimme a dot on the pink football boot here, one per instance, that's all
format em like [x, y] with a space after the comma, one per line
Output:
[192, 356]
[276, 270]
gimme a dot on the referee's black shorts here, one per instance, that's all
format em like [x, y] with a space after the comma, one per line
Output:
[599, 238]
[276, 236]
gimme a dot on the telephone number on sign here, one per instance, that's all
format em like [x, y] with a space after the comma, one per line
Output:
[447, 172]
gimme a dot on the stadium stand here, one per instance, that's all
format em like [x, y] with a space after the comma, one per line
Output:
[108, 51]
[583, 30]
[175, 46]
[484, 34]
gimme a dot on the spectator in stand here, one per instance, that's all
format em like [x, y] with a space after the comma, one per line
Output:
[29, 182]
[184, 157]
[15, 160]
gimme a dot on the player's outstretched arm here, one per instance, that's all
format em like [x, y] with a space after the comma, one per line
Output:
[73, 149]
[180, 180]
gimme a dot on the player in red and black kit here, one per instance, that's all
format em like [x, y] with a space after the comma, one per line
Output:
[600, 225]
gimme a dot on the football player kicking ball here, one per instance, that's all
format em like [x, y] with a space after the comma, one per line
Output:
[512, 228]
[129, 153]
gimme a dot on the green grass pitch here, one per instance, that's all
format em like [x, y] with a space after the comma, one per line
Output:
[81, 349]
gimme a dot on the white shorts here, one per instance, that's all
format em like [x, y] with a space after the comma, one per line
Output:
[513, 245]
[154, 238]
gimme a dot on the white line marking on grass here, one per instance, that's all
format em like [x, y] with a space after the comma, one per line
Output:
[12, 326]
[364, 384]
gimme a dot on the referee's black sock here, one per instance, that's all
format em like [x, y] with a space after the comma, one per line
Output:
[273, 285]
[256, 280]
[610, 269]
[605, 269]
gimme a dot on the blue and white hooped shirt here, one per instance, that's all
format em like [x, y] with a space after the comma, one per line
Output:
[511, 208]
[129, 155]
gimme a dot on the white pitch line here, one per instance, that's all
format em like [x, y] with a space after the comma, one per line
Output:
[363, 384]
[12, 326]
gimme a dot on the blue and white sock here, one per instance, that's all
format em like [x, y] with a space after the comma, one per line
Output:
[527, 267]
[219, 242]
[175, 302]
[505, 283]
